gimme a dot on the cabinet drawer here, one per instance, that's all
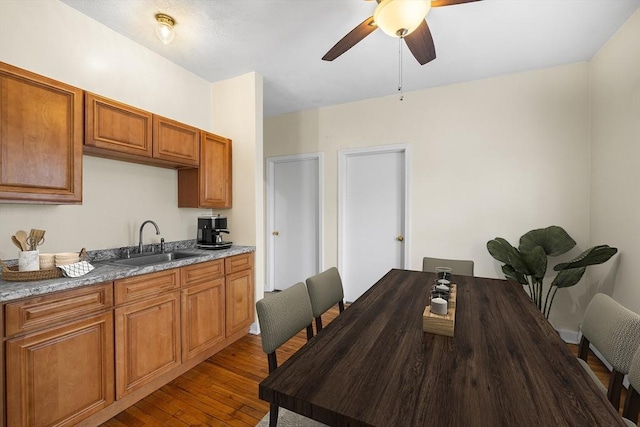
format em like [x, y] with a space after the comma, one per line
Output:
[205, 271]
[47, 310]
[238, 263]
[146, 285]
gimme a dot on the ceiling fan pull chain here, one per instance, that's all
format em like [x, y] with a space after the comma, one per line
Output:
[400, 68]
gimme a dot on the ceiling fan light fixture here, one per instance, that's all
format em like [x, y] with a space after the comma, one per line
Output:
[399, 18]
[165, 28]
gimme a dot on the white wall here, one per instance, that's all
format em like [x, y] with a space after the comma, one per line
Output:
[237, 112]
[509, 153]
[615, 164]
[118, 196]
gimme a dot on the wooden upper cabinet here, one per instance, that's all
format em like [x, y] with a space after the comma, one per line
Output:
[41, 125]
[175, 141]
[117, 127]
[118, 131]
[210, 185]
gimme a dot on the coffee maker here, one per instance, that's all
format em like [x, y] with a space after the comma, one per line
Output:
[210, 230]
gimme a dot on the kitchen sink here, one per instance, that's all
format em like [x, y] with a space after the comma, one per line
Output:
[142, 260]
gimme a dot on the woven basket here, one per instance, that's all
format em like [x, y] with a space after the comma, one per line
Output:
[11, 274]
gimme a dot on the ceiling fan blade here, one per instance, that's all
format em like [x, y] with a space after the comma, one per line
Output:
[420, 43]
[347, 42]
[438, 3]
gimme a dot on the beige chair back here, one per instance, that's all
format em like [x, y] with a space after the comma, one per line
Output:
[281, 316]
[615, 332]
[457, 266]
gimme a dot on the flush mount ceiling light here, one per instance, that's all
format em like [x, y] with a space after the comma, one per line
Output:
[164, 28]
[399, 18]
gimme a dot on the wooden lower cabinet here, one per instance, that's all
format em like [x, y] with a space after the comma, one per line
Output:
[60, 376]
[239, 301]
[202, 317]
[147, 341]
[83, 355]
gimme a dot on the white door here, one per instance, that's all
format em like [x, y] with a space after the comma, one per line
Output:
[373, 222]
[294, 226]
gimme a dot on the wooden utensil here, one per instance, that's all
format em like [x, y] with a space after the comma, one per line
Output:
[16, 242]
[21, 236]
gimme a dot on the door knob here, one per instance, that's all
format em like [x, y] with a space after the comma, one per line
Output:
[276, 233]
[400, 238]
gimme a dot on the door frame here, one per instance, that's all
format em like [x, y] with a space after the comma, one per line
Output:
[343, 155]
[270, 219]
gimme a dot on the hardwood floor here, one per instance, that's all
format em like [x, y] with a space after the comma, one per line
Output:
[223, 390]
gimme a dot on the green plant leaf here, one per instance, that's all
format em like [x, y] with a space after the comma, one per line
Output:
[554, 240]
[511, 273]
[536, 261]
[569, 277]
[500, 249]
[592, 256]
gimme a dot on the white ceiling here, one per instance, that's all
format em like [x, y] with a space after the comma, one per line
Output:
[283, 40]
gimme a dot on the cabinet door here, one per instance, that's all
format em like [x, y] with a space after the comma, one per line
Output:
[147, 341]
[239, 306]
[202, 317]
[62, 375]
[175, 141]
[215, 171]
[114, 126]
[41, 125]
[210, 185]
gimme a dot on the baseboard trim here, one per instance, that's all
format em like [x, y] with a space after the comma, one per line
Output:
[570, 337]
[254, 329]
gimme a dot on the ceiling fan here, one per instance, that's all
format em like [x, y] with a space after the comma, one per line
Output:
[398, 18]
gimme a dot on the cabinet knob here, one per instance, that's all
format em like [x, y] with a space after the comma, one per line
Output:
[276, 233]
[400, 238]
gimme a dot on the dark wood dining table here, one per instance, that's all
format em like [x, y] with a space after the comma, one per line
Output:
[374, 366]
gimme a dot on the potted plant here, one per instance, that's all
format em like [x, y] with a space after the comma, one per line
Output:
[527, 264]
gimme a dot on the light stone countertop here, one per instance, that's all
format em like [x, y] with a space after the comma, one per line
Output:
[104, 272]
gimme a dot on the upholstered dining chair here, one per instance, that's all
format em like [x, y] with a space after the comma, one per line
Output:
[457, 266]
[615, 332]
[632, 403]
[281, 316]
[325, 291]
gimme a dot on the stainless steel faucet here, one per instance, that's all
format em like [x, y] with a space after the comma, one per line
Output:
[141, 227]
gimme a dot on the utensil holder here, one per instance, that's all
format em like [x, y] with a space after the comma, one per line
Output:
[29, 260]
